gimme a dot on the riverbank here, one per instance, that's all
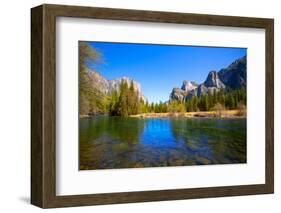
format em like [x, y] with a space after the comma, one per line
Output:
[84, 116]
[207, 114]
[92, 115]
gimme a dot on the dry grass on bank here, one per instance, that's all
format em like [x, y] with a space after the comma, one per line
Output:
[209, 114]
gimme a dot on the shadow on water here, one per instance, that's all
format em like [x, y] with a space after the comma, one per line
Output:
[115, 142]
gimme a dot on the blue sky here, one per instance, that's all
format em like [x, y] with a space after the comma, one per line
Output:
[159, 68]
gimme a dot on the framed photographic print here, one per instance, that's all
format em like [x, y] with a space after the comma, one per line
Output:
[137, 106]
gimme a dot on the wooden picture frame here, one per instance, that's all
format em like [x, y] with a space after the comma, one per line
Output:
[43, 105]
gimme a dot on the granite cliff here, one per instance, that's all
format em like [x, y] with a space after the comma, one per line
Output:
[230, 78]
[106, 87]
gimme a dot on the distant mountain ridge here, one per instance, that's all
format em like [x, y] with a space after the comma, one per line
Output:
[108, 86]
[232, 77]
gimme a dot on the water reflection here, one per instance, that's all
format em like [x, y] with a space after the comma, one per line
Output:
[114, 142]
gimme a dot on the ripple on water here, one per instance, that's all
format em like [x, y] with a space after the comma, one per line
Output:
[113, 142]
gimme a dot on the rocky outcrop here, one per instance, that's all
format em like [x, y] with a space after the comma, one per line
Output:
[178, 94]
[108, 86]
[232, 77]
[99, 82]
[235, 75]
[188, 86]
[114, 85]
[213, 80]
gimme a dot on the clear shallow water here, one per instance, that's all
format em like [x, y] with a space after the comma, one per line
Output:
[116, 142]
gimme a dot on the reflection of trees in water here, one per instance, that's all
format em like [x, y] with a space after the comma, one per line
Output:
[123, 129]
[218, 140]
[114, 142]
[108, 142]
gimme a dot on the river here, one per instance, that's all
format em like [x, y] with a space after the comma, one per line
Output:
[114, 142]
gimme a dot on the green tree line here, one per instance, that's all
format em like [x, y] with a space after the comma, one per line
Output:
[126, 101]
[227, 99]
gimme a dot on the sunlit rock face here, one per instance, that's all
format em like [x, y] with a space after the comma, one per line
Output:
[99, 82]
[108, 86]
[114, 85]
[178, 94]
[188, 86]
[213, 80]
[232, 77]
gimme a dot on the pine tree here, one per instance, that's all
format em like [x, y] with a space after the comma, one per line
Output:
[195, 104]
[152, 107]
[231, 102]
[205, 103]
[123, 100]
[127, 102]
[113, 106]
[131, 99]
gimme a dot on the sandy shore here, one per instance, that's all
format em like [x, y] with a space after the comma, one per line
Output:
[208, 114]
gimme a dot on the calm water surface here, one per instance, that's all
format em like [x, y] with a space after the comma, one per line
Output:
[115, 142]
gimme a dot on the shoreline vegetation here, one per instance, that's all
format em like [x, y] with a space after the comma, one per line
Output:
[206, 114]
[236, 113]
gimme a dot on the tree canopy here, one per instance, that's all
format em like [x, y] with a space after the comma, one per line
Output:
[126, 100]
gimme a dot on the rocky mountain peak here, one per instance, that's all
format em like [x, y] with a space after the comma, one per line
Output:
[188, 85]
[178, 94]
[232, 77]
[114, 85]
[108, 86]
[235, 75]
[213, 80]
[98, 81]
